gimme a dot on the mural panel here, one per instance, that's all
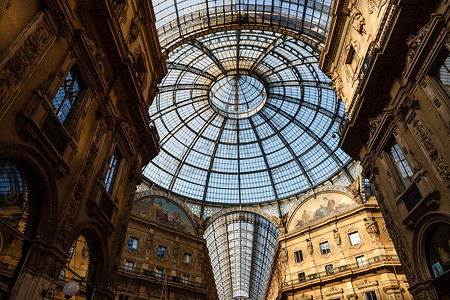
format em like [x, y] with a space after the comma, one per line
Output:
[164, 212]
[319, 208]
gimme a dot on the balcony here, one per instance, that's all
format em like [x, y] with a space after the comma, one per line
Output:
[382, 260]
[147, 274]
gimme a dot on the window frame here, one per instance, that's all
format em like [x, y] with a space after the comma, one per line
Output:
[354, 234]
[301, 277]
[300, 252]
[159, 273]
[112, 171]
[325, 251]
[373, 295]
[129, 266]
[362, 263]
[401, 163]
[187, 262]
[133, 246]
[329, 269]
[158, 252]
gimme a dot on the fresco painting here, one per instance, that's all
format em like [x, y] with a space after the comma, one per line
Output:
[164, 212]
[321, 207]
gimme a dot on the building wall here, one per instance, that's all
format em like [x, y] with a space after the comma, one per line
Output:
[400, 98]
[139, 275]
[334, 221]
[64, 161]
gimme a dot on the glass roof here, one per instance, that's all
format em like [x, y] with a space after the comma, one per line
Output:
[183, 19]
[245, 116]
[241, 247]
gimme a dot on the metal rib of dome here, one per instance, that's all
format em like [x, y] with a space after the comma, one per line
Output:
[284, 148]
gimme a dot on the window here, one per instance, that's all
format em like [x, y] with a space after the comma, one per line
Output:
[112, 171]
[354, 238]
[185, 279]
[329, 269]
[400, 163]
[368, 188]
[129, 266]
[161, 251]
[443, 74]
[132, 243]
[159, 273]
[325, 248]
[438, 249]
[301, 277]
[361, 261]
[298, 256]
[187, 258]
[66, 96]
[370, 295]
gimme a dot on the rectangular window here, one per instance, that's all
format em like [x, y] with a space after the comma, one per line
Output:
[325, 248]
[329, 269]
[185, 279]
[112, 171]
[132, 243]
[354, 238]
[301, 277]
[400, 163]
[361, 261]
[159, 273]
[66, 96]
[161, 251]
[298, 255]
[370, 295]
[187, 258]
[129, 266]
[368, 188]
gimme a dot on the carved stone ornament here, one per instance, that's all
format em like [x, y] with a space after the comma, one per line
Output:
[355, 189]
[309, 246]
[371, 225]
[15, 69]
[374, 123]
[439, 163]
[58, 14]
[375, 5]
[397, 239]
[337, 237]
[135, 29]
[414, 42]
[149, 242]
[336, 83]
[80, 189]
[358, 21]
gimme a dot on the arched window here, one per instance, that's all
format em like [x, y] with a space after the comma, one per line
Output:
[14, 213]
[79, 267]
[438, 249]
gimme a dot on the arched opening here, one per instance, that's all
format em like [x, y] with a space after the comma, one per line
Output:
[79, 268]
[17, 193]
[438, 256]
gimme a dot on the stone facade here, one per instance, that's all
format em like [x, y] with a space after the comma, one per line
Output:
[398, 108]
[338, 250]
[164, 258]
[75, 134]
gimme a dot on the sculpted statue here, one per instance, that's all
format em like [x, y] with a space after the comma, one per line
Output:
[371, 225]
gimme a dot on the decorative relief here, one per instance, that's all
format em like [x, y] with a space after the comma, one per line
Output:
[15, 69]
[309, 246]
[336, 83]
[414, 42]
[374, 124]
[358, 21]
[135, 29]
[58, 14]
[337, 237]
[439, 163]
[394, 234]
[80, 189]
[355, 189]
[371, 225]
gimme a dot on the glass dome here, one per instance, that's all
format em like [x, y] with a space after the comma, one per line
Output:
[245, 116]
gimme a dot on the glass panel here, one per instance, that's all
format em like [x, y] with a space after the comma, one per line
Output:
[401, 164]
[443, 74]
[65, 97]
[112, 172]
[354, 238]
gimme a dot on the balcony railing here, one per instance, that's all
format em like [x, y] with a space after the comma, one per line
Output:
[345, 268]
[152, 274]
